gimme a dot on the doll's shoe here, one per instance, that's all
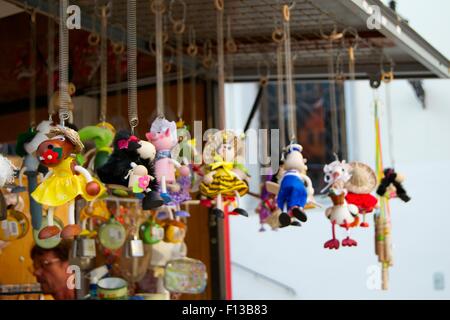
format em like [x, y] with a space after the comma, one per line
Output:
[48, 232]
[152, 200]
[166, 198]
[299, 214]
[347, 242]
[284, 219]
[240, 211]
[332, 244]
[364, 225]
[205, 202]
[296, 224]
[182, 213]
[70, 231]
[218, 213]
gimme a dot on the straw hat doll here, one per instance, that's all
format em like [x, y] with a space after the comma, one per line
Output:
[225, 179]
[65, 181]
[359, 187]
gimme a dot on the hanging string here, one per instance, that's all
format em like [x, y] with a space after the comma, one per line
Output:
[50, 62]
[292, 118]
[278, 38]
[264, 114]
[179, 27]
[333, 105]
[192, 51]
[231, 50]
[221, 63]
[64, 98]
[104, 64]
[132, 65]
[158, 8]
[118, 49]
[33, 51]
[390, 122]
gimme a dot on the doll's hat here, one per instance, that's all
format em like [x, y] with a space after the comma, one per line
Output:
[363, 180]
[70, 134]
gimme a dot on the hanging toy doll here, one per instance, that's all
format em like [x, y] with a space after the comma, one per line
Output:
[336, 175]
[359, 187]
[163, 135]
[65, 181]
[131, 165]
[225, 179]
[267, 208]
[7, 174]
[392, 187]
[295, 187]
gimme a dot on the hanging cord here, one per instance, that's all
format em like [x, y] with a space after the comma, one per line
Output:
[342, 112]
[104, 12]
[33, 50]
[292, 119]
[64, 97]
[50, 63]
[219, 4]
[264, 75]
[158, 9]
[279, 38]
[232, 48]
[179, 26]
[132, 65]
[332, 85]
[119, 49]
[352, 46]
[387, 78]
[192, 51]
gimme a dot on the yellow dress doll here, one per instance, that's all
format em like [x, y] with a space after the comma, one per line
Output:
[65, 181]
[225, 177]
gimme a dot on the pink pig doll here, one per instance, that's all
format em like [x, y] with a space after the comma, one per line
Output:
[163, 135]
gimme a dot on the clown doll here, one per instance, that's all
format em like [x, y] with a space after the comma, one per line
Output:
[65, 181]
[225, 178]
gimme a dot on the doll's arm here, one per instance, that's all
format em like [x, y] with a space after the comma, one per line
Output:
[84, 172]
[308, 181]
[176, 163]
[209, 177]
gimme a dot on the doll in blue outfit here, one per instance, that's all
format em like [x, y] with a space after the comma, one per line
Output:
[293, 194]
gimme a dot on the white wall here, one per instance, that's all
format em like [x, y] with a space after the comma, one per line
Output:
[421, 238]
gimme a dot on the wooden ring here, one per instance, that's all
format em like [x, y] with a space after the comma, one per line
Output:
[219, 4]
[179, 27]
[158, 6]
[118, 48]
[286, 13]
[231, 46]
[278, 35]
[71, 89]
[167, 67]
[192, 50]
[94, 39]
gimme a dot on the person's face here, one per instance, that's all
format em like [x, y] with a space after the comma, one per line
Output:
[50, 272]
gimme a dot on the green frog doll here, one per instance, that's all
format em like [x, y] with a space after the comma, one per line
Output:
[225, 179]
